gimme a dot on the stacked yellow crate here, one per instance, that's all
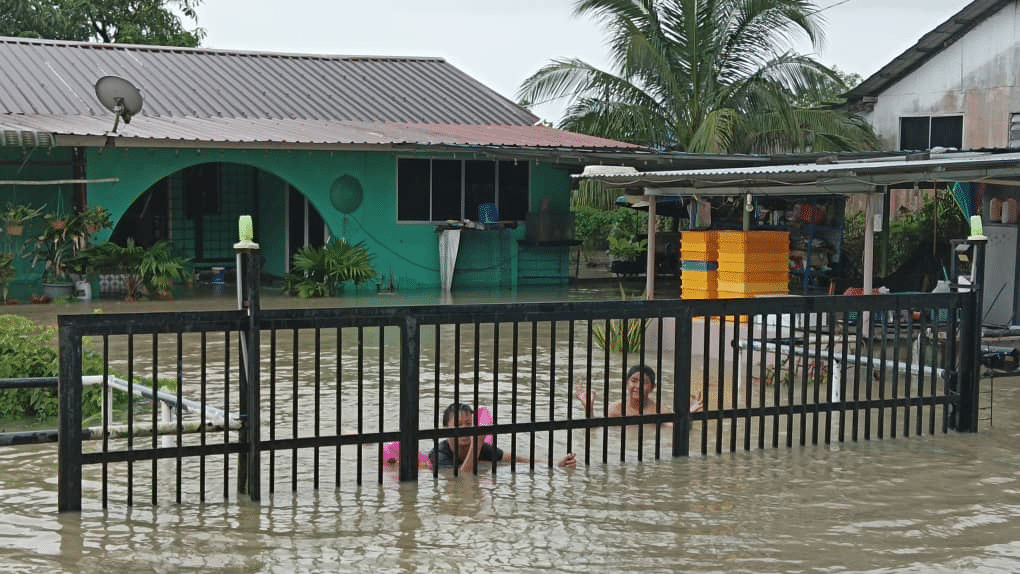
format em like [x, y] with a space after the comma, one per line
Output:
[753, 263]
[699, 264]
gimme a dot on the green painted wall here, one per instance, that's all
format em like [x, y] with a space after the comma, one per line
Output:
[406, 255]
[32, 165]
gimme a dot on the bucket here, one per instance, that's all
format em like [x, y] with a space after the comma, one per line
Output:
[218, 276]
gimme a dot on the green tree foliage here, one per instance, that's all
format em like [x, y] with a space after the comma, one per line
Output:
[156, 22]
[709, 76]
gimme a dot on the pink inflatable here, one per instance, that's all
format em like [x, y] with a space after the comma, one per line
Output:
[391, 450]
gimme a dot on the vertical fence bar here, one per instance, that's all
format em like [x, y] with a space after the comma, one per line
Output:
[570, 382]
[762, 372]
[963, 421]
[226, 409]
[534, 397]
[734, 379]
[317, 415]
[155, 416]
[624, 342]
[410, 355]
[706, 375]
[272, 408]
[605, 393]
[953, 366]
[179, 434]
[682, 340]
[295, 417]
[844, 365]
[131, 418]
[361, 398]
[495, 381]
[382, 404]
[339, 396]
[107, 416]
[203, 379]
[777, 378]
[890, 322]
[69, 437]
[552, 387]
[908, 315]
[658, 387]
[804, 342]
[720, 377]
[589, 407]
[514, 389]
[922, 365]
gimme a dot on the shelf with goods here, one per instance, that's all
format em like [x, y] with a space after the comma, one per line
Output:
[815, 225]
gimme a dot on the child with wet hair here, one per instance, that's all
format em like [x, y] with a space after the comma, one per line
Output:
[463, 452]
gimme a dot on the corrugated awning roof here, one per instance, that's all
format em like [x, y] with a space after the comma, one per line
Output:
[827, 178]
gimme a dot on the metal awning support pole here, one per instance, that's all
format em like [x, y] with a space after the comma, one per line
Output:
[869, 257]
[650, 260]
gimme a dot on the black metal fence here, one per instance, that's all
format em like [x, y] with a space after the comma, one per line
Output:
[322, 393]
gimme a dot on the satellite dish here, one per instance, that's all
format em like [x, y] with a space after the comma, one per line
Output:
[120, 97]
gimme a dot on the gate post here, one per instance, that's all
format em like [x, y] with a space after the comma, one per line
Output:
[69, 408]
[969, 384]
[410, 352]
[682, 383]
[251, 460]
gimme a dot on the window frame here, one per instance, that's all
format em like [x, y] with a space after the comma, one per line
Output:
[928, 136]
[463, 187]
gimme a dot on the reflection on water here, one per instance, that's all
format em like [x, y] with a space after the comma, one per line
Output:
[948, 503]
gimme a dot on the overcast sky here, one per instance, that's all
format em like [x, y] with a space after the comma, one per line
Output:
[501, 42]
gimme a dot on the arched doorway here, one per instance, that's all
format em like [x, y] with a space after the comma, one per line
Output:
[197, 209]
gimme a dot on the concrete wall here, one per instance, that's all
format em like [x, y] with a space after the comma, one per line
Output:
[976, 76]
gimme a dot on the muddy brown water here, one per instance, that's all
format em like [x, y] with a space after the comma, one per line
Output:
[943, 503]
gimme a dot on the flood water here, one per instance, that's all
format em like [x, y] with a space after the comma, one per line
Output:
[943, 503]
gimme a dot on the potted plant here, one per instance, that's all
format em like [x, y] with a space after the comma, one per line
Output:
[55, 248]
[56, 220]
[94, 218]
[16, 216]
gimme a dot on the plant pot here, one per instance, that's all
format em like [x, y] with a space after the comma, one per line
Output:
[15, 230]
[58, 290]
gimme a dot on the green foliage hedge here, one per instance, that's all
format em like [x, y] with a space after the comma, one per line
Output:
[28, 349]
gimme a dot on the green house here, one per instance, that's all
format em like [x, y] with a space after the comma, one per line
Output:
[404, 154]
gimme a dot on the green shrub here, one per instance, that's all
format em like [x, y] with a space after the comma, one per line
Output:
[28, 349]
[321, 271]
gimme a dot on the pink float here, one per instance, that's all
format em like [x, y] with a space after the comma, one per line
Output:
[391, 450]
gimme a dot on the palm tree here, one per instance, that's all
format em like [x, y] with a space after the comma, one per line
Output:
[708, 76]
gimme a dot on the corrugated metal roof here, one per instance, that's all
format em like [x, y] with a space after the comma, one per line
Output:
[843, 177]
[57, 78]
[198, 95]
[935, 41]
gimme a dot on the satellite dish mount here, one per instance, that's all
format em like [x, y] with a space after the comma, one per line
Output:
[120, 97]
